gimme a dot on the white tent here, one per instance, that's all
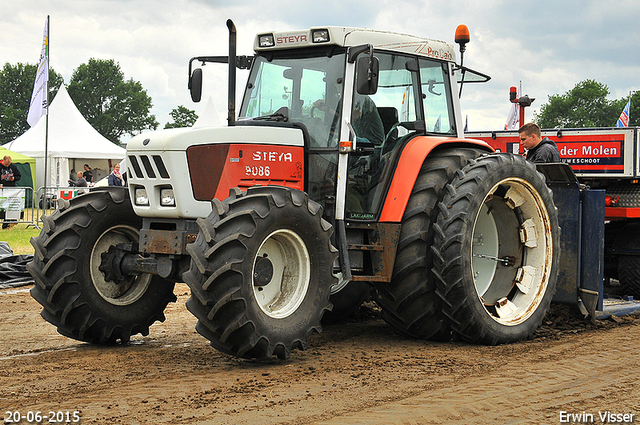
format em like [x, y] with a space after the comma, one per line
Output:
[72, 142]
[209, 116]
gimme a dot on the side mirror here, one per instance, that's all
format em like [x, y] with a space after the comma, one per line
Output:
[367, 70]
[195, 85]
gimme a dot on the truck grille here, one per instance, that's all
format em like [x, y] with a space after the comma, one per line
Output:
[147, 169]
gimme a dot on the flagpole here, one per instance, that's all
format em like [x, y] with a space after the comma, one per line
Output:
[45, 201]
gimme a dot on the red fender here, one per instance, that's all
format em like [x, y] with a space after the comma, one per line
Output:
[406, 173]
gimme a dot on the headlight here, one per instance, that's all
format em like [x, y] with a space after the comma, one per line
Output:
[167, 199]
[266, 40]
[141, 196]
[320, 36]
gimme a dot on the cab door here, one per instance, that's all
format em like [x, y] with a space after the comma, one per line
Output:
[381, 122]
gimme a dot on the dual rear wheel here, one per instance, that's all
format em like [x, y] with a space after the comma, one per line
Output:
[478, 254]
[496, 250]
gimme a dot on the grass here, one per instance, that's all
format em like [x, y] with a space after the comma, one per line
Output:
[19, 234]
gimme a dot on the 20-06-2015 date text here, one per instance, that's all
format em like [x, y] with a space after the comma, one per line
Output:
[37, 417]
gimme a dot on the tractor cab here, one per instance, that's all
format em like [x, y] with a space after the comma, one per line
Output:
[364, 100]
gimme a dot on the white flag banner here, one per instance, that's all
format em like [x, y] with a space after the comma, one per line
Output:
[513, 120]
[404, 110]
[39, 98]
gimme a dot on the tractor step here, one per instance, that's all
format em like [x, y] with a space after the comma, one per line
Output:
[381, 245]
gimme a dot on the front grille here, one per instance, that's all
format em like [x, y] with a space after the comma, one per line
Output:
[147, 166]
[147, 170]
[136, 167]
[157, 159]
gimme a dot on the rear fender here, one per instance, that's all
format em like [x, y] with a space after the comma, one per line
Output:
[410, 161]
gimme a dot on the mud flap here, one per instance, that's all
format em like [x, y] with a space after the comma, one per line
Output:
[581, 218]
[592, 250]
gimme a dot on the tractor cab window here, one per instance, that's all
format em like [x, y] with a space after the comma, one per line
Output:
[302, 89]
[437, 103]
[394, 102]
[376, 119]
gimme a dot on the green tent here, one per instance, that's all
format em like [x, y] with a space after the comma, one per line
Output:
[26, 165]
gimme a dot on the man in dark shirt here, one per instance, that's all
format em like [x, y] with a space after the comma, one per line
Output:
[538, 150]
[9, 173]
[88, 173]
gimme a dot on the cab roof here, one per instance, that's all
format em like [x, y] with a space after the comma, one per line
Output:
[347, 37]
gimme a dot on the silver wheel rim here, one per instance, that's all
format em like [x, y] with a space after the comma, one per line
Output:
[124, 292]
[289, 282]
[512, 251]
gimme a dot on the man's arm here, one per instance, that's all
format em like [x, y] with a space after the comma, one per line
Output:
[16, 173]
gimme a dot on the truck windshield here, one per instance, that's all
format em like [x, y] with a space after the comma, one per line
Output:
[304, 89]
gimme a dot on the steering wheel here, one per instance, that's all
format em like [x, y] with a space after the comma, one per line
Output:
[383, 145]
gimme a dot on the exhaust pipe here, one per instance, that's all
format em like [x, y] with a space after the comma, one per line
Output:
[231, 117]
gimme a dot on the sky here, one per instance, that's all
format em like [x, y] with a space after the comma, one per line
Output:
[545, 46]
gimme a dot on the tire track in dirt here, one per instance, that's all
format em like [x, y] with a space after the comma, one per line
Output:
[530, 389]
[357, 372]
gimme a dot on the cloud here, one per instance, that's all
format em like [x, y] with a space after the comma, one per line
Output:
[547, 45]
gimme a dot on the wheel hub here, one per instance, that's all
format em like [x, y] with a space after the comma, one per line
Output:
[262, 271]
[281, 273]
[115, 291]
[510, 252]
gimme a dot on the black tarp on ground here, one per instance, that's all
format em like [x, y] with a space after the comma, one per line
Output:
[13, 268]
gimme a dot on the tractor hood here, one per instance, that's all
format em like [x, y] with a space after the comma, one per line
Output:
[179, 139]
[192, 165]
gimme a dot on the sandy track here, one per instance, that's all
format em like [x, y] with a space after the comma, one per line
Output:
[354, 373]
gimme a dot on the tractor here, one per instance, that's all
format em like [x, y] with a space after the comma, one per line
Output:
[344, 174]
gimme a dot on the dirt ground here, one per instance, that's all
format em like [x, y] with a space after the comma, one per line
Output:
[359, 372]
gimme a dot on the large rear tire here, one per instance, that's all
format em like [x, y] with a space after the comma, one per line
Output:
[261, 272]
[409, 303]
[627, 242]
[629, 274]
[496, 250]
[76, 297]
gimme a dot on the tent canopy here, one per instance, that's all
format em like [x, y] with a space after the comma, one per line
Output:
[26, 165]
[70, 137]
[209, 116]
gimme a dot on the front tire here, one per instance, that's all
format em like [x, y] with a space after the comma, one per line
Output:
[76, 297]
[496, 250]
[261, 272]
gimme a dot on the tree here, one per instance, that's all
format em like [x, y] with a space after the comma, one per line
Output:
[182, 117]
[585, 105]
[16, 87]
[113, 106]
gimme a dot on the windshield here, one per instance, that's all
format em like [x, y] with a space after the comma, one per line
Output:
[436, 95]
[306, 90]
